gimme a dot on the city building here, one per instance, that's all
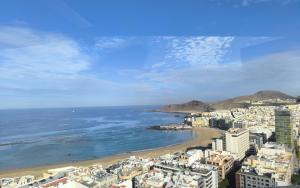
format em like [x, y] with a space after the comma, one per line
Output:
[237, 141]
[267, 131]
[158, 178]
[256, 140]
[283, 127]
[208, 172]
[223, 160]
[217, 144]
[104, 179]
[247, 178]
[194, 155]
[221, 123]
[272, 166]
[72, 184]
[123, 184]
[200, 122]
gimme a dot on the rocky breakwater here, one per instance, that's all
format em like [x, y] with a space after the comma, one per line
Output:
[171, 127]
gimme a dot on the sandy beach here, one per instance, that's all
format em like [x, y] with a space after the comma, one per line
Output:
[202, 136]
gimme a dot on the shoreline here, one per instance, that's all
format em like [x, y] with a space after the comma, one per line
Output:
[202, 136]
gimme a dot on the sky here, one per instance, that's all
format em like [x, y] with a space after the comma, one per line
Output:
[63, 53]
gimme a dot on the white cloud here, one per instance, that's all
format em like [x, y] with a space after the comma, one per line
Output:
[158, 65]
[105, 43]
[278, 71]
[27, 53]
[198, 51]
[17, 37]
[36, 64]
[246, 3]
[40, 69]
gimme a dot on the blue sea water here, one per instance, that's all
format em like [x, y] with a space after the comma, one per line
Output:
[33, 137]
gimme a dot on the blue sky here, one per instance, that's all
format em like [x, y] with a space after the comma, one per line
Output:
[93, 53]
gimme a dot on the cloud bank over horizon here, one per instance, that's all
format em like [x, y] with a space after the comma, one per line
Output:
[50, 69]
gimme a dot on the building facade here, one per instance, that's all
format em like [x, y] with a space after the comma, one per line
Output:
[283, 127]
[237, 141]
[271, 167]
[224, 161]
[251, 180]
[208, 172]
[217, 144]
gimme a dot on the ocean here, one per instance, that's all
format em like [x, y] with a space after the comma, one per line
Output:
[35, 137]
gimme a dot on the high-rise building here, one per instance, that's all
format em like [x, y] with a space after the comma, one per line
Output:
[237, 141]
[283, 127]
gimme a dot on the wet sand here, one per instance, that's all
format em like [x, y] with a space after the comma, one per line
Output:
[202, 136]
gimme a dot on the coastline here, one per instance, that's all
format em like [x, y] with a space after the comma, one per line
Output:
[202, 136]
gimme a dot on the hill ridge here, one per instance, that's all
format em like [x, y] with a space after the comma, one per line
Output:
[235, 102]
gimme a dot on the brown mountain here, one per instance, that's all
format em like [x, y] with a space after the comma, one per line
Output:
[243, 101]
[263, 95]
[187, 107]
[237, 102]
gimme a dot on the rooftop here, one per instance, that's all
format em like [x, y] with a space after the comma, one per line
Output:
[236, 131]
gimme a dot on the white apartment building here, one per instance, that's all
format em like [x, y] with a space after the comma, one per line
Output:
[194, 155]
[237, 141]
[217, 145]
[208, 172]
